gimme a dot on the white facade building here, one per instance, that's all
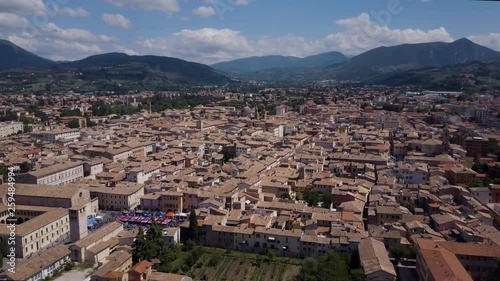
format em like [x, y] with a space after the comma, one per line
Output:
[483, 194]
[10, 128]
[142, 174]
[277, 131]
[53, 136]
[280, 110]
[54, 175]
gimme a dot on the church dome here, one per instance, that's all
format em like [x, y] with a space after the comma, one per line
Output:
[247, 111]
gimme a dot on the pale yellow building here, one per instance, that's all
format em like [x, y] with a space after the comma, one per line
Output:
[37, 228]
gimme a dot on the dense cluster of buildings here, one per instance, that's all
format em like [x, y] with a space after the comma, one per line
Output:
[381, 180]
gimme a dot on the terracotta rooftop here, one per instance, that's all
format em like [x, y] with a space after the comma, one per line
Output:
[374, 257]
[441, 263]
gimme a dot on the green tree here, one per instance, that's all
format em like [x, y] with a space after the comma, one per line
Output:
[400, 251]
[311, 197]
[358, 275]
[25, 167]
[330, 267]
[72, 112]
[410, 206]
[215, 260]
[309, 270]
[193, 226]
[285, 196]
[270, 256]
[48, 87]
[169, 254]
[326, 200]
[43, 117]
[228, 155]
[73, 124]
[139, 248]
[493, 146]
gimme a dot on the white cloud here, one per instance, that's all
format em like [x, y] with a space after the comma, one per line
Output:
[11, 21]
[55, 49]
[203, 11]
[362, 33]
[72, 12]
[491, 40]
[229, 2]
[74, 34]
[165, 6]
[210, 45]
[203, 45]
[123, 49]
[358, 34]
[22, 7]
[242, 2]
[117, 20]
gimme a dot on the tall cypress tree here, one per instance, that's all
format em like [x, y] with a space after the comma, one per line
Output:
[193, 226]
[139, 250]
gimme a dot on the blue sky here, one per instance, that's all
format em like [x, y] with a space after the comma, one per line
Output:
[210, 31]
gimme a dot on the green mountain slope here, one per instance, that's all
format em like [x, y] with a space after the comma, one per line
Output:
[476, 76]
[13, 56]
[117, 66]
[20, 70]
[255, 64]
[414, 56]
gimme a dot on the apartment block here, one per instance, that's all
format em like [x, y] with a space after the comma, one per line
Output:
[10, 128]
[458, 175]
[124, 196]
[58, 174]
[386, 214]
[443, 260]
[142, 174]
[54, 136]
[37, 228]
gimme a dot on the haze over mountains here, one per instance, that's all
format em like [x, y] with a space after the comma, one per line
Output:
[253, 64]
[332, 65]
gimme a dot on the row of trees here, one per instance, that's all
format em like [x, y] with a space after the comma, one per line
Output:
[493, 173]
[333, 266]
[100, 108]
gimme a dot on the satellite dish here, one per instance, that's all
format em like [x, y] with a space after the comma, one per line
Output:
[454, 119]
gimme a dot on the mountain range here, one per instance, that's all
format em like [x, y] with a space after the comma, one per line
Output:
[108, 71]
[362, 66]
[254, 64]
[115, 70]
